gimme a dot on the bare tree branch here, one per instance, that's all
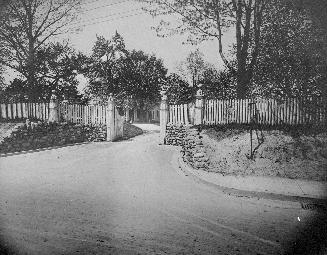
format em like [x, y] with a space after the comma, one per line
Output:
[28, 25]
[191, 22]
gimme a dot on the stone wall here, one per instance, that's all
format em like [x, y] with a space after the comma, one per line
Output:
[193, 150]
[190, 140]
[175, 134]
[36, 135]
[96, 133]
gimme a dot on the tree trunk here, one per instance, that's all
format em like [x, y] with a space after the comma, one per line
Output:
[31, 79]
[243, 83]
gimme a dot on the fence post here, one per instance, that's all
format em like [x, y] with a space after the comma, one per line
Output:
[163, 117]
[53, 109]
[110, 111]
[199, 105]
[127, 114]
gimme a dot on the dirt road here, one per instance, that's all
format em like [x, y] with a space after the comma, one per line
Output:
[129, 197]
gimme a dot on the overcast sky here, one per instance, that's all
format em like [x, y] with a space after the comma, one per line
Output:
[104, 17]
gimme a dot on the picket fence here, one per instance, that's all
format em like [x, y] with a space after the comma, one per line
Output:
[83, 114]
[24, 110]
[94, 115]
[291, 111]
[73, 113]
[179, 114]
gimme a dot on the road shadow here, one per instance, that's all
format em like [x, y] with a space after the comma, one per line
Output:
[7, 248]
[311, 239]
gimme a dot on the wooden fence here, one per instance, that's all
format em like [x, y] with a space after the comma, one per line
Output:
[290, 111]
[73, 113]
[94, 115]
[83, 114]
[178, 114]
[24, 110]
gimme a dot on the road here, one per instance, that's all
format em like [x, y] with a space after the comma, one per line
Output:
[129, 197]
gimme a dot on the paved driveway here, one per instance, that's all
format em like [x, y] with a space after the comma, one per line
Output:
[130, 197]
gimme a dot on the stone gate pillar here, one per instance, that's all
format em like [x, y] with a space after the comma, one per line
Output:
[110, 119]
[53, 109]
[163, 117]
[199, 107]
[127, 114]
[135, 114]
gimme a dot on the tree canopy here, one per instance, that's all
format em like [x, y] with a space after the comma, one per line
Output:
[218, 84]
[56, 66]
[133, 77]
[293, 59]
[26, 26]
[193, 67]
[208, 20]
[279, 48]
[178, 90]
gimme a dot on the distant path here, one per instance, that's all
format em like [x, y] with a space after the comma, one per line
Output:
[129, 198]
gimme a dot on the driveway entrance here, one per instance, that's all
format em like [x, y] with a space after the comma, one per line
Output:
[129, 197]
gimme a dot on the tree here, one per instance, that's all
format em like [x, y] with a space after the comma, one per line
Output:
[204, 20]
[178, 90]
[193, 67]
[293, 60]
[56, 68]
[141, 77]
[109, 50]
[103, 66]
[15, 92]
[3, 4]
[133, 77]
[218, 84]
[27, 25]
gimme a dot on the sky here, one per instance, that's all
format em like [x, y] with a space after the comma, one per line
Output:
[134, 25]
[104, 17]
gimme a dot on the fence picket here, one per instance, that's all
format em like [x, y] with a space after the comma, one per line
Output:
[13, 111]
[293, 111]
[178, 114]
[175, 114]
[209, 112]
[214, 112]
[289, 106]
[10, 111]
[3, 111]
[46, 116]
[269, 112]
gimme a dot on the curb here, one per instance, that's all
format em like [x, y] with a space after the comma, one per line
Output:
[3, 155]
[187, 169]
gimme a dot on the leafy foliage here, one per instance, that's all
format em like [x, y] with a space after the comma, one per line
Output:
[178, 90]
[58, 66]
[55, 70]
[133, 77]
[218, 84]
[293, 59]
[15, 92]
[140, 78]
[26, 26]
[207, 20]
[193, 67]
